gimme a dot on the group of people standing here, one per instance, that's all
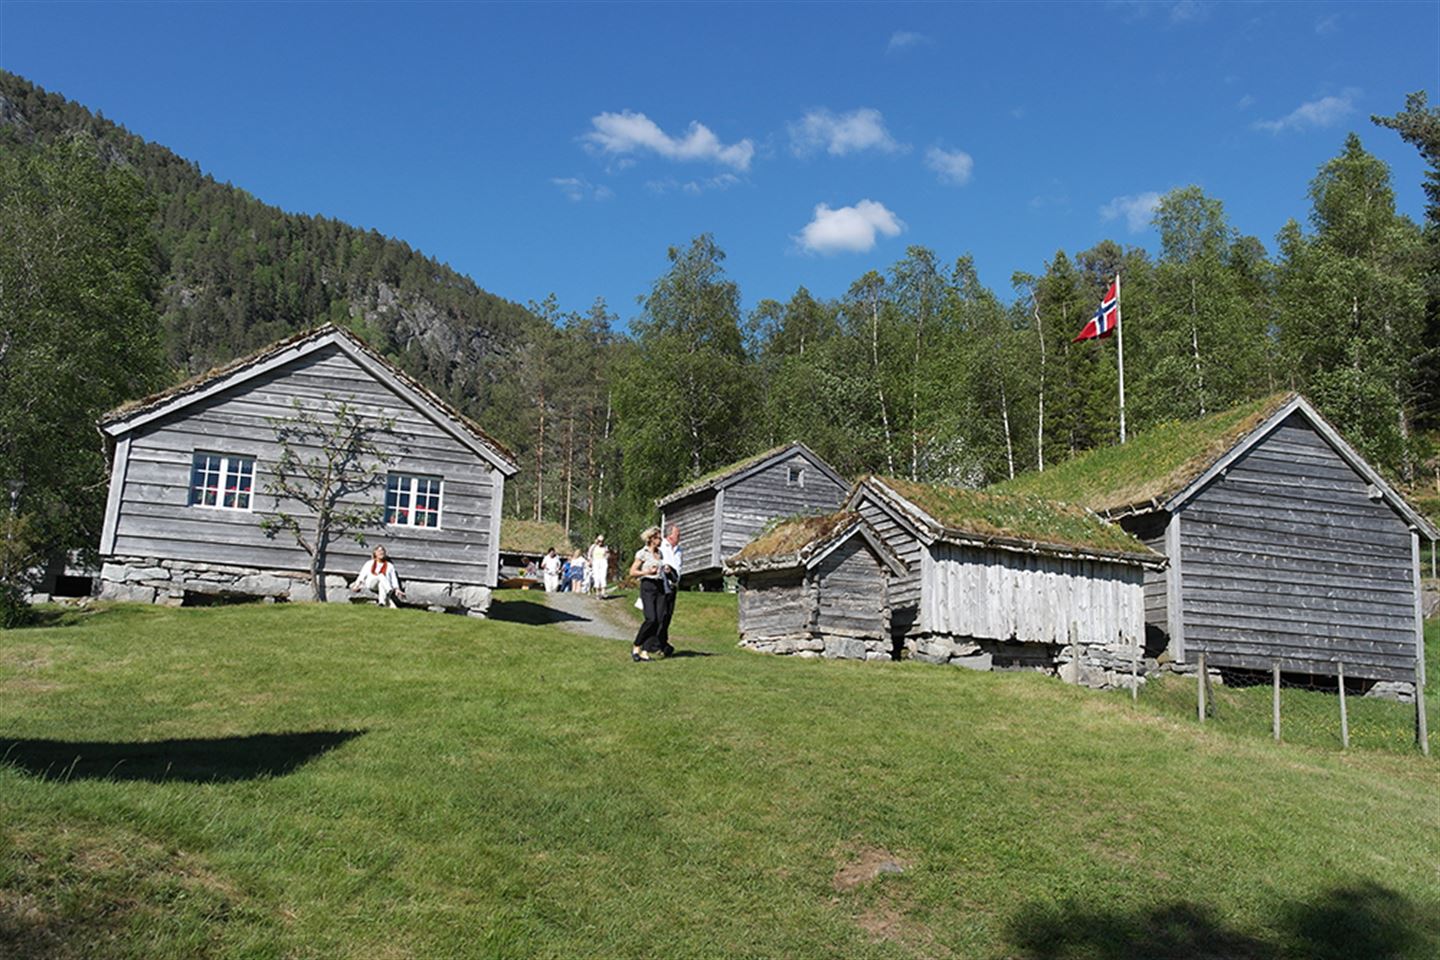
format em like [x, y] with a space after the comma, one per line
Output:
[657, 565]
[585, 572]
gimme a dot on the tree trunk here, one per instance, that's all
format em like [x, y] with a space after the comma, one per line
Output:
[569, 468]
[879, 383]
[540, 461]
[1005, 419]
[1040, 419]
[1195, 347]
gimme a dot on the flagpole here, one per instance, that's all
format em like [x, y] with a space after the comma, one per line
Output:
[1120, 353]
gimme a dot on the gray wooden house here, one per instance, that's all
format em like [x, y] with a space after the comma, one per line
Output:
[816, 586]
[724, 510]
[189, 472]
[1284, 544]
[1010, 582]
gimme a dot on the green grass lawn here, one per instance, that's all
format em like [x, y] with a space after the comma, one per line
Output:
[308, 781]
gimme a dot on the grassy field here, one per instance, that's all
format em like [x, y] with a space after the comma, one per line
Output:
[316, 781]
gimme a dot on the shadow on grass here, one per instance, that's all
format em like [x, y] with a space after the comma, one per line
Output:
[1361, 920]
[216, 760]
[529, 613]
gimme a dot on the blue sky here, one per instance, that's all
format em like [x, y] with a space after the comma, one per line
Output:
[563, 147]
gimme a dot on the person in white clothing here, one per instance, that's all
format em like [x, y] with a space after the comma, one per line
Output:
[671, 555]
[599, 566]
[550, 567]
[378, 574]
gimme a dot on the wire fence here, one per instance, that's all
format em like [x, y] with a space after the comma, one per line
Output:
[1298, 708]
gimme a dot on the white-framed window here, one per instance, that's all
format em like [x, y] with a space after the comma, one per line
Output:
[222, 481]
[795, 476]
[412, 501]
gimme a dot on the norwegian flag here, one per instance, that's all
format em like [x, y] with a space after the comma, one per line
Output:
[1106, 318]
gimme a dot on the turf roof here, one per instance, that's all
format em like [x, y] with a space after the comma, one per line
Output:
[1152, 467]
[706, 480]
[1026, 520]
[793, 539]
[533, 536]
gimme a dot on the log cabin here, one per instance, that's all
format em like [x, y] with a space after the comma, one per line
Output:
[190, 471]
[1010, 582]
[816, 586]
[1285, 545]
[722, 511]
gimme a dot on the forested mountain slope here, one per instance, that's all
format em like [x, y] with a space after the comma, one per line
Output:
[238, 273]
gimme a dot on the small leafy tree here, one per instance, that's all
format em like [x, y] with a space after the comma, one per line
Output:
[327, 457]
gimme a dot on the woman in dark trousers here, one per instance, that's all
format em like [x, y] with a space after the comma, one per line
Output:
[648, 565]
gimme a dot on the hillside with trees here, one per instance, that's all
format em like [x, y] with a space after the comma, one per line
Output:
[918, 370]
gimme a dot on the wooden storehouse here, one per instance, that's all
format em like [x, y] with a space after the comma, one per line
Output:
[1007, 582]
[1285, 545]
[190, 473]
[523, 542]
[816, 586]
[723, 511]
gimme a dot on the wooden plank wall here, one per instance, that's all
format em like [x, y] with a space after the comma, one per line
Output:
[775, 604]
[1149, 528]
[155, 519]
[852, 594]
[1003, 595]
[1287, 557]
[764, 495]
[695, 516]
[904, 594]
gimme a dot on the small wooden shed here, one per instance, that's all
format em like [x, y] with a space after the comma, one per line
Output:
[190, 472]
[816, 586]
[1285, 545]
[721, 512]
[1011, 582]
[527, 541]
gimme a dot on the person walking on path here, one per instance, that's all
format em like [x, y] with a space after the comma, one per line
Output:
[671, 555]
[649, 566]
[599, 566]
[550, 567]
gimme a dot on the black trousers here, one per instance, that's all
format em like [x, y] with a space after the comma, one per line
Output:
[669, 612]
[656, 603]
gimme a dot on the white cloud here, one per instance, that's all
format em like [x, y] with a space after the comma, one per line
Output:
[627, 132]
[1327, 24]
[1137, 209]
[1314, 114]
[693, 187]
[1189, 11]
[952, 166]
[839, 134]
[902, 40]
[1245, 102]
[578, 188]
[848, 229]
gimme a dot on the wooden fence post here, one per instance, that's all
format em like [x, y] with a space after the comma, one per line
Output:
[1135, 674]
[1344, 717]
[1200, 689]
[1275, 711]
[1422, 724]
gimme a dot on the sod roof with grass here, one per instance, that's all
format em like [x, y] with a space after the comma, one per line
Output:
[533, 537]
[1011, 519]
[1153, 466]
[789, 541]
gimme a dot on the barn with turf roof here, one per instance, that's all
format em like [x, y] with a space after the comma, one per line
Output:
[1010, 582]
[722, 511]
[1285, 545]
[816, 586]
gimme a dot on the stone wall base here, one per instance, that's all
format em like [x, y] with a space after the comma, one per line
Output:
[1101, 668]
[829, 646]
[181, 583]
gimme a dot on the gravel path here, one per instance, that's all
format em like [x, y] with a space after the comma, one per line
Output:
[589, 615]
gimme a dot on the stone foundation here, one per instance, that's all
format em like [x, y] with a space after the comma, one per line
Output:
[829, 646]
[181, 583]
[1101, 668]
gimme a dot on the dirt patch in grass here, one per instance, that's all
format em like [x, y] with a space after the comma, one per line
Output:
[864, 866]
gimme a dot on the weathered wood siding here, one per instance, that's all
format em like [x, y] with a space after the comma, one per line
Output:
[1002, 595]
[749, 504]
[904, 591]
[154, 518]
[1149, 529]
[1287, 557]
[851, 593]
[695, 516]
[775, 604]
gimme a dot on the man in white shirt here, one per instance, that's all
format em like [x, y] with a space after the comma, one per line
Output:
[671, 555]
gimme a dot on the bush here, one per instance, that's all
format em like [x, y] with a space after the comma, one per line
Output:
[14, 610]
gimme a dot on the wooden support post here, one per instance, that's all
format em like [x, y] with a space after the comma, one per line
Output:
[1200, 679]
[1275, 712]
[1422, 724]
[1344, 716]
[1135, 674]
